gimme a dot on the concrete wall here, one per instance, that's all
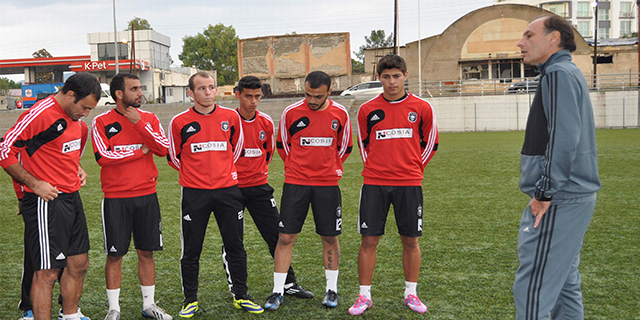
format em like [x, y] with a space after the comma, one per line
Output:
[284, 61]
[625, 60]
[615, 109]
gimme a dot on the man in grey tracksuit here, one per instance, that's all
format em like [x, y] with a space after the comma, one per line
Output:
[559, 171]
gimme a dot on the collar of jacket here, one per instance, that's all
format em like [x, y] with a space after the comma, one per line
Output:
[562, 55]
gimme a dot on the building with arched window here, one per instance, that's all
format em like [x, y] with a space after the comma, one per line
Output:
[481, 45]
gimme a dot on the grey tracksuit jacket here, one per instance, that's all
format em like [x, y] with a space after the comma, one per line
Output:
[558, 157]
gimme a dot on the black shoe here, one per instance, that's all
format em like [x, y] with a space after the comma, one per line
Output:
[273, 302]
[298, 291]
[330, 299]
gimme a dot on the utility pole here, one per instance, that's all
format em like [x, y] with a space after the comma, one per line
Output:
[420, 54]
[595, 45]
[638, 31]
[395, 27]
[115, 34]
[132, 64]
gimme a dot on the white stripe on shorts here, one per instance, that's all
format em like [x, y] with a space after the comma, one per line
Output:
[43, 234]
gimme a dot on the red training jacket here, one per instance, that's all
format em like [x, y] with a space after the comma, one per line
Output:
[205, 147]
[259, 146]
[397, 139]
[51, 145]
[314, 144]
[126, 172]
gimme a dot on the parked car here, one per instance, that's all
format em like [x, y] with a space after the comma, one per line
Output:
[364, 90]
[529, 85]
[105, 98]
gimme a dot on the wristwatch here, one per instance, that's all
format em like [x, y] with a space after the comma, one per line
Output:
[539, 195]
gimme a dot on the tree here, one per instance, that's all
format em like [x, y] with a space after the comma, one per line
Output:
[213, 49]
[357, 66]
[6, 84]
[138, 24]
[43, 77]
[42, 53]
[377, 39]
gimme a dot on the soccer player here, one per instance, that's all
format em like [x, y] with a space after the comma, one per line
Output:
[205, 141]
[314, 139]
[27, 265]
[397, 135]
[124, 141]
[51, 139]
[559, 172]
[253, 171]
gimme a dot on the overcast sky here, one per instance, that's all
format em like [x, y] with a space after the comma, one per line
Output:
[61, 26]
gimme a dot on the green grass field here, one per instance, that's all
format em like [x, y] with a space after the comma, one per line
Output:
[472, 212]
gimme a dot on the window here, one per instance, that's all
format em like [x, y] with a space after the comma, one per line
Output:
[584, 27]
[603, 14]
[170, 92]
[625, 28]
[559, 8]
[626, 10]
[604, 59]
[376, 85]
[584, 9]
[475, 70]
[603, 33]
[107, 51]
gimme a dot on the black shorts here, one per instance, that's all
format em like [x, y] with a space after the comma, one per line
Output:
[326, 203]
[374, 208]
[138, 215]
[54, 230]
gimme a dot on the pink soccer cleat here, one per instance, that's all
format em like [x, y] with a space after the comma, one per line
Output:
[363, 303]
[415, 304]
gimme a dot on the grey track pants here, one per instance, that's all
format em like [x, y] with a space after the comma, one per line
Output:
[547, 283]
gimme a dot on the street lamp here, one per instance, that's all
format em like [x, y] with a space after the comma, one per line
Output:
[594, 5]
[115, 34]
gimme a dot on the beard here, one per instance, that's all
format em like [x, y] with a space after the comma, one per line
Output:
[131, 103]
[315, 107]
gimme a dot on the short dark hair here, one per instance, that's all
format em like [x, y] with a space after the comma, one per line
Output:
[248, 82]
[391, 61]
[117, 83]
[83, 84]
[203, 74]
[318, 78]
[556, 23]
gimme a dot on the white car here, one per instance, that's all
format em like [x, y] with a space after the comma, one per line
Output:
[106, 98]
[364, 90]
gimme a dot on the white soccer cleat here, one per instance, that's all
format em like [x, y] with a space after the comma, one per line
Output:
[155, 312]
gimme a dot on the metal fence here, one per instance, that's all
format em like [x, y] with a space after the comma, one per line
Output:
[475, 87]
